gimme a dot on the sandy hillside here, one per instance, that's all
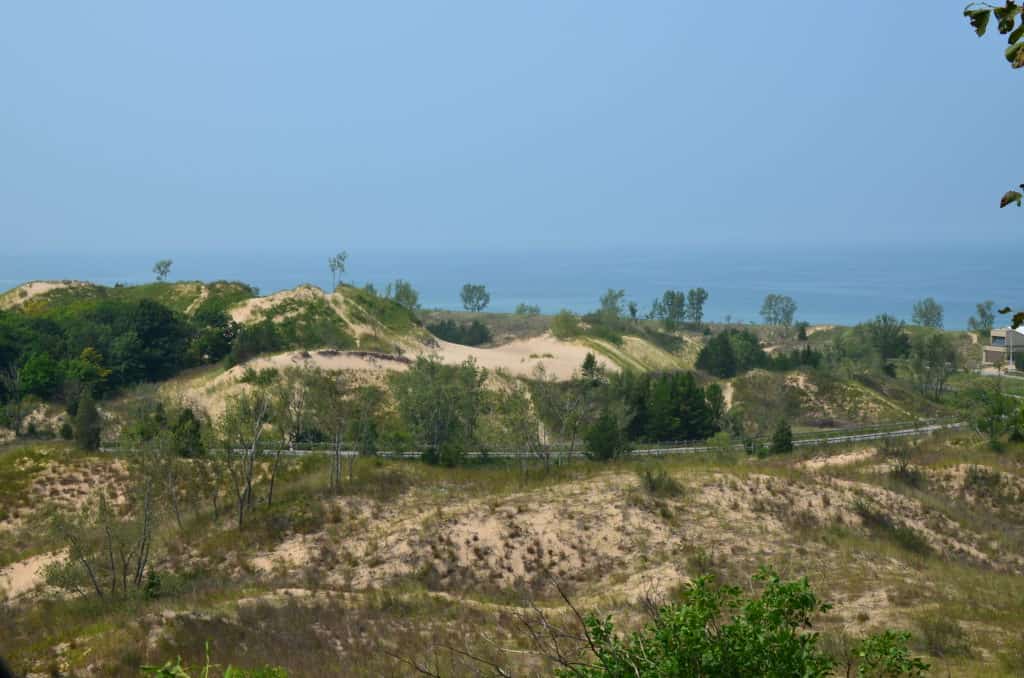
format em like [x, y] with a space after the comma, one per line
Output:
[24, 293]
[521, 357]
[251, 309]
[19, 578]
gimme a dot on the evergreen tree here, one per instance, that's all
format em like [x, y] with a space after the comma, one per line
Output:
[591, 371]
[87, 423]
[605, 439]
[696, 421]
[716, 403]
[782, 438]
[661, 410]
[717, 357]
[187, 436]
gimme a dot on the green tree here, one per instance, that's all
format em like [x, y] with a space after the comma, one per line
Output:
[992, 410]
[605, 439]
[611, 306]
[928, 313]
[243, 431]
[716, 403]
[475, 297]
[441, 404]
[782, 438]
[514, 426]
[187, 435]
[695, 299]
[933, 358]
[41, 375]
[162, 269]
[670, 309]
[87, 423]
[403, 294]
[590, 370]
[527, 309]
[717, 357]
[368, 402]
[887, 337]
[337, 266]
[983, 321]
[93, 535]
[778, 310]
[331, 412]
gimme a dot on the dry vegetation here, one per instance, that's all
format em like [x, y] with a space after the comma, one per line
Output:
[413, 558]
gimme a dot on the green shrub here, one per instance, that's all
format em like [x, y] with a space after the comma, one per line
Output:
[718, 631]
[885, 655]
[565, 325]
[982, 482]
[175, 669]
[473, 333]
[943, 637]
[263, 377]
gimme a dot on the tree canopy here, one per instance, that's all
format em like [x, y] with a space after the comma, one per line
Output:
[475, 297]
[778, 309]
[928, 313]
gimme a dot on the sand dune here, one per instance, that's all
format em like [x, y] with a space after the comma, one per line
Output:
[23, 293]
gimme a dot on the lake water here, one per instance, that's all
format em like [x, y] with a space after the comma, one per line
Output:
[842, 285]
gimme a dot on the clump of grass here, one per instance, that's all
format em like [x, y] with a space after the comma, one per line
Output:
[982, 482]
[943, 637]
[263, 377]
[659, 483]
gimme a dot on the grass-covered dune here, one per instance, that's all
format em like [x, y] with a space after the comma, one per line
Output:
[408, 561]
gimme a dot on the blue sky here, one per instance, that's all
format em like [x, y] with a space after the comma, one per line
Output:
[128, 126]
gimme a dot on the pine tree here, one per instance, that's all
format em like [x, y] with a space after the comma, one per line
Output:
[696, 421]
[87, 423]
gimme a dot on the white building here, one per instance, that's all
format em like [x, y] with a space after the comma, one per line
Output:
[1004, 345]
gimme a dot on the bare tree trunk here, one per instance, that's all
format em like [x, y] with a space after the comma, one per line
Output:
[172, 481]
[76, 548]
[273, 473]
[110, 554]
[336, 464]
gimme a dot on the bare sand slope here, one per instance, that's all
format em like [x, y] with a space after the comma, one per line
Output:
[521, 357]
[23, 576]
